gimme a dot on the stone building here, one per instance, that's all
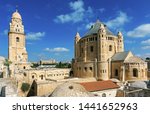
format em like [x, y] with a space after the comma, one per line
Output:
[2, 59]
[148, 64]
[70, 89]
[101, 88]
[47, 62]
[20, 67]
[17, 53]
[100, 54]
[46, 74]
[8, 88]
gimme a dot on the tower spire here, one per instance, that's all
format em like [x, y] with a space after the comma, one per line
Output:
[16, 8]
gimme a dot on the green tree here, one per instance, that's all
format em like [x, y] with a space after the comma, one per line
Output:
[69, 65]
[147, 58]
[25, 87]
[35, 65]
[59, 65]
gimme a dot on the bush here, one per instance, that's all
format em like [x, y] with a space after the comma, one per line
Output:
[25, 87]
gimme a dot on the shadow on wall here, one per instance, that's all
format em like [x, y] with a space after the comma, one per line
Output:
[1, 75]
[33, 89]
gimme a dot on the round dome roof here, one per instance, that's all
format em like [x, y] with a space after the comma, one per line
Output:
[139, 84]
[94, 29]
[16, 15]
[70, 89]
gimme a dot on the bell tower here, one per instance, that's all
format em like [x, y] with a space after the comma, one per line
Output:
[17, 53]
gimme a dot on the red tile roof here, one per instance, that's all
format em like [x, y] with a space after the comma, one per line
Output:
[99, 85]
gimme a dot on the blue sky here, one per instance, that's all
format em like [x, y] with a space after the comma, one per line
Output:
[51, 25]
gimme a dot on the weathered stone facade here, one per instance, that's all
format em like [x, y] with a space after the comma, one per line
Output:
[46, 74]
[94, 53]
[8, 88]
[2, 59]
[148, 64]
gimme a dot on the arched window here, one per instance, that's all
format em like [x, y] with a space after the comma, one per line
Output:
[104, 95]
[17, 39]
[32, 76]
[24, 67]
[116, 72]
[91, 69]
[42, 77]
[91, 48]
[110, 48]
[25, 74]
[135, 72]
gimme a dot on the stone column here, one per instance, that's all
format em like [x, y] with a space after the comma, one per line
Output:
[123, 73]
[95, 68]
[85, 51]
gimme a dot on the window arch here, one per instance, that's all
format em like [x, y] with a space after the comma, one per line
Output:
[17, 39]
[104, 95]
[32, 76]
[42, 77]
[91, 48]
[110, 47]
[135, 72]
[24, 67]
[116, 73]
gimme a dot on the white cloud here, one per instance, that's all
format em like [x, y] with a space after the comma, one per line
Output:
[77, 5]
[120, 20]
[88, 26]
[139, 55]
[147, 54]
[146, 42]
[5, 32]
[57, 49]
[143, 55]
[146, 47]
[10, 7]
[35, 36]
[78, 14]
[129, 41]
[102, 10]
[148, 15]
[29, 43]
[140, 31]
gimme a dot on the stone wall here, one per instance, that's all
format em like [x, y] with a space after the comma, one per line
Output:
[106, 93]
[8, 88]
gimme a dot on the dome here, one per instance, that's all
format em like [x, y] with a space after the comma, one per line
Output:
[69, 89]
[139, 84]
[16, 15]
[94, 29]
